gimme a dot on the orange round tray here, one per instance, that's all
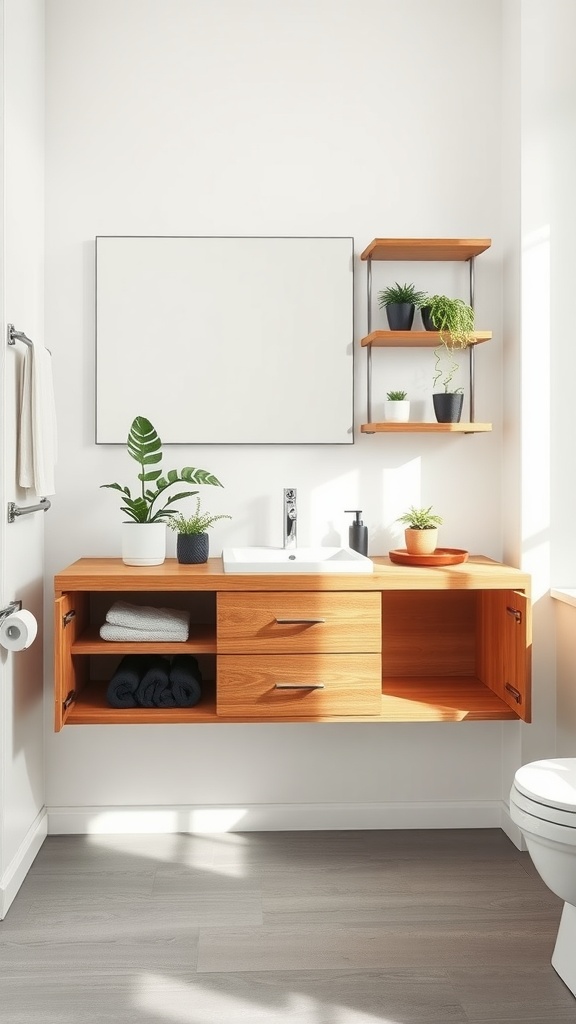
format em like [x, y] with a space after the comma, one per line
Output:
[441, 556]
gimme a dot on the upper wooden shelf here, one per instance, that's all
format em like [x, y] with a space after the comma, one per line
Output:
[425, 248]
[415, 339]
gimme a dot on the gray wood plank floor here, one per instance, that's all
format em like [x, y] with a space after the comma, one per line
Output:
[404, 927]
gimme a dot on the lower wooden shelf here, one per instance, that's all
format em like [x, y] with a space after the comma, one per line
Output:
[427, 699]
[412, 427]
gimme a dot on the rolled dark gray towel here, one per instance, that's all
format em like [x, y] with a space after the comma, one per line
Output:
[154, 689]
[185, 680]
[121, 691]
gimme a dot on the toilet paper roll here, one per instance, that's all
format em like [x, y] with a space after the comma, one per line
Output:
[18, 631]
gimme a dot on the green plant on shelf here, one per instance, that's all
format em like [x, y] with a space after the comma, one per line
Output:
[397, 396]
[400, 293]
[452, 318]
[420, 518]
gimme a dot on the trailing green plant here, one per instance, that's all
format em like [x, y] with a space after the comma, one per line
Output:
[453, 318]
[400, 293]
[444, 371]
[420, 519]
[397, 396]
[145, 446]
[194, 524]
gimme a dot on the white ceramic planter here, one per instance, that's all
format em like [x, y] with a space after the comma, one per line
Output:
[143, 543]
[397, 411]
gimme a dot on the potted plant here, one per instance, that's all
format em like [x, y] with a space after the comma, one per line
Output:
[400, 301]
[453, 318]
[193, 543]
[397, 406]
[447, 403]
[421, 531]
[144, 535]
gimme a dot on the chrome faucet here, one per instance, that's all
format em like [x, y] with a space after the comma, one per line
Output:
[290, 517]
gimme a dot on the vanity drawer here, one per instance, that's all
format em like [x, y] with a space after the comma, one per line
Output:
[301, 686]
[286, 623]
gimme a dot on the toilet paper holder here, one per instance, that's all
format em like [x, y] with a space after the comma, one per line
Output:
[14, 606]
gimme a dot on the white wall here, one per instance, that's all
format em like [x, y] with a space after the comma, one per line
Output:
[549, 128]
[22, 821]
[330, 117]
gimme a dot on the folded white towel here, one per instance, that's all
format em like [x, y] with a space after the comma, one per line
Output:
[109, 631]
[137, 616]
[37, 433]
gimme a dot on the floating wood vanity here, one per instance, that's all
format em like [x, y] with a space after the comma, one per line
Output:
[402, 644]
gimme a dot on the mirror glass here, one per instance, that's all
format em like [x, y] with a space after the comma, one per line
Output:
[221, 340]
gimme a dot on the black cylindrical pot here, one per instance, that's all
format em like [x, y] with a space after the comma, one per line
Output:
[427, 322]
[192, 548]
[448, 406]
[400, 315]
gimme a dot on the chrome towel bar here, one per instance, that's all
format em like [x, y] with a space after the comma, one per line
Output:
[15, 510]
[14, 336]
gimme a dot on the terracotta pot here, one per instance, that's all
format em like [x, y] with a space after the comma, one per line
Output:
[421, 542]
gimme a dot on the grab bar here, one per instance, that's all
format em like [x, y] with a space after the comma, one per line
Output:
[14, 510]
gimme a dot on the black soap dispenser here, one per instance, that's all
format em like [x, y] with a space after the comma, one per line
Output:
[358, 533]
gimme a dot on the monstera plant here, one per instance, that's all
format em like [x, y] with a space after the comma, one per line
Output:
[154, 504]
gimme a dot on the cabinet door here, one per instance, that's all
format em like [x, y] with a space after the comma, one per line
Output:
[70, 673]
[504, 648]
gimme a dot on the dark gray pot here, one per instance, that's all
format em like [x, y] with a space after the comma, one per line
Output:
[448, 406]
[427, 322]
[400, 315]
[192, 548]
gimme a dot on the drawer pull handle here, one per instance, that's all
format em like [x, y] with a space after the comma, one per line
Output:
[514, 611]
[298, 686]
[515, 693]
[299, 622]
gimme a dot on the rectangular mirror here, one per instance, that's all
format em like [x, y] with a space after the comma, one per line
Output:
[222, 340]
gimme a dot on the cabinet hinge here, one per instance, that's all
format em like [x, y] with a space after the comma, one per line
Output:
[68, 617]
[515, 693]
[515, 612]
[69, 699]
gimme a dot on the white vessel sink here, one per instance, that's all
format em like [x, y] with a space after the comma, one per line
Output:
[342, 560]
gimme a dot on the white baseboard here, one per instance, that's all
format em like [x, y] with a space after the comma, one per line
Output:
[271, 818]
[20, 865]
[510, 828]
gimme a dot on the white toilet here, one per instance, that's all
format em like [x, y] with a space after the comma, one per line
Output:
[543, 805]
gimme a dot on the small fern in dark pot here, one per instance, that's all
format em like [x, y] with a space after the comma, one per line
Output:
[193, 543]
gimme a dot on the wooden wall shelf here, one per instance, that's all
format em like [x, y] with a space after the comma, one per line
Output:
[425, 249]
[413, 427]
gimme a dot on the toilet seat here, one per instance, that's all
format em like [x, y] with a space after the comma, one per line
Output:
[543, 811]
[543, 799]
[551, 783]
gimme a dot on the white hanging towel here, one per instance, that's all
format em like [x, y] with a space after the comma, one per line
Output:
[37, 436]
